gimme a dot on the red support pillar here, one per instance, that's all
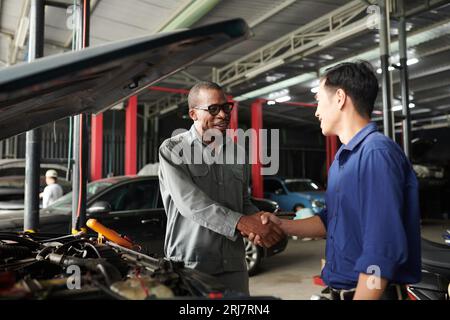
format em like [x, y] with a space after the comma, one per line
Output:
[234, 117]
[131, 137]
[97, 147]
[257, 125]
[331, 148]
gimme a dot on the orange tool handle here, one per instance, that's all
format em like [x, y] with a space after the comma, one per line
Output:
[109, 233]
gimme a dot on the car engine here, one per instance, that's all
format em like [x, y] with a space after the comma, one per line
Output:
[38, 266]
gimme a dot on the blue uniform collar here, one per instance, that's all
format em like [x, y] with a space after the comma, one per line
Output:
[358, 138]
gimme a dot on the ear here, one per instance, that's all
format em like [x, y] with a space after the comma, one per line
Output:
[193, 114]
[341, 98]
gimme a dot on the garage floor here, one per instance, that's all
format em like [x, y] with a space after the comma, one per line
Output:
[289, 274]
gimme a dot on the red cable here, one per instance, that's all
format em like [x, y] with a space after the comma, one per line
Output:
[80, 166]
[81, 123]
[84, 23]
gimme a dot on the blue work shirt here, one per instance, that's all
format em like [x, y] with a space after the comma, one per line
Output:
[372, 216]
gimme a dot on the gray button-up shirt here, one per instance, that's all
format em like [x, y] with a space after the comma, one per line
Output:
[203, 203]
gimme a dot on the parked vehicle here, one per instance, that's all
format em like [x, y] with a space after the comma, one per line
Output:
[132, 206]
[290, 192]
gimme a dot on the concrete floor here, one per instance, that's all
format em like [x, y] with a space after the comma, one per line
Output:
[289, 274]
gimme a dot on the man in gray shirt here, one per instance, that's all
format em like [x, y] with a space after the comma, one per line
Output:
[207, 202]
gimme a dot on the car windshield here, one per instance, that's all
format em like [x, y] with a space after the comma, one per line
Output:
[65, 202]
[302, 185]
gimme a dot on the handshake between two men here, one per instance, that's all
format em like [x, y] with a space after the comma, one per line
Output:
[262, 228]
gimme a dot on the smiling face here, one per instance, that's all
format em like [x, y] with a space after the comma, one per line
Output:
[328, 108]
[203, 120]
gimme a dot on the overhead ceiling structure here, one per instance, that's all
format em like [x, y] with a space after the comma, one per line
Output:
[293, 42]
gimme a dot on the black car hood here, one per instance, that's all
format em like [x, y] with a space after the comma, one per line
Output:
[97, 78]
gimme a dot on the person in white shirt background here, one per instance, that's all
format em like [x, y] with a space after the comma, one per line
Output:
[53, 190]
[302, 213]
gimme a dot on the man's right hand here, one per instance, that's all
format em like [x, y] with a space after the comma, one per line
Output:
[266, 217]
[269, 233]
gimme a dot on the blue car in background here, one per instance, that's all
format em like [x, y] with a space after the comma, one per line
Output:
[290, 192]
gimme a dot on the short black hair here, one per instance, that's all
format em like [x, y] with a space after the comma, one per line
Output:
[202, 85]
[358, 81]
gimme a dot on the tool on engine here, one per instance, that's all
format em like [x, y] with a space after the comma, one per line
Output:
[109, 234]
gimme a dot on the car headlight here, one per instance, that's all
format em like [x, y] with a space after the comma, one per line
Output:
[317, 204]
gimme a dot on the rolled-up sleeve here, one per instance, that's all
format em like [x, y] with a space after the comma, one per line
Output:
[191, 201]
[384, 245]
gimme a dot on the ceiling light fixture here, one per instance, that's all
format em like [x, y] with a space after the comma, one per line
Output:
[412, 61]
[277, 86]
[399, 108]
[283, 99]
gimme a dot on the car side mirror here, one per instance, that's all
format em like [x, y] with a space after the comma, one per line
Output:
[99, 207]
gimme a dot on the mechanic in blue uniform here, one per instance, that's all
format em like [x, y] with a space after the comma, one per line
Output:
[372, 219]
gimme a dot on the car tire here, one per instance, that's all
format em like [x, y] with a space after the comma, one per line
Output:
[253, 257]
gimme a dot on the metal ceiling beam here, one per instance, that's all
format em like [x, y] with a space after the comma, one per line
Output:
[283, 5]
[426, 6]
[189, 14]
[415, 38]
[166, 104]
[443, 83]
[429, 71]
[433, 98]
[298, 42]
[181, 78]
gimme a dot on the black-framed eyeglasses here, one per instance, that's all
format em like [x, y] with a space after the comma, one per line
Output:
[214, 109]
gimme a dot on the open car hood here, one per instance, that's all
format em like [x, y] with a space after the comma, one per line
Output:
[95, 79]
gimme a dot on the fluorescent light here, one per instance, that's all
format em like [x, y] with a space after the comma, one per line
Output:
[283, 99]
[277, 86]
[271, 102]
[278, 94]
[412, 61]
[398, 108]
[424, 110]
[390, 68]
[264, 68]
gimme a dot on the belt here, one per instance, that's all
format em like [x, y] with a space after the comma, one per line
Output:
[392, 292]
